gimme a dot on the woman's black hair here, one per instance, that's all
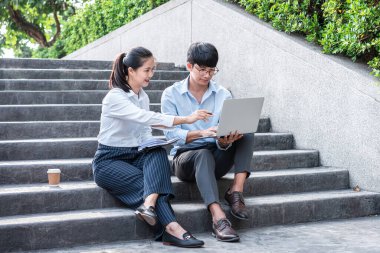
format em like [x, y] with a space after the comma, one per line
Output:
[135, 58]
[203, 54]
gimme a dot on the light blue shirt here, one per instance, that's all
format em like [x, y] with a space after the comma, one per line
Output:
[177, 100]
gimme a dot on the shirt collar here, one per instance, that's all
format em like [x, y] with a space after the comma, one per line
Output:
[137, 96]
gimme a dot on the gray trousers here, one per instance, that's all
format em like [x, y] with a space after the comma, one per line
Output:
[206, 165]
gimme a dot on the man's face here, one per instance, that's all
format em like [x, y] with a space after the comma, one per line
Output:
[201, 75]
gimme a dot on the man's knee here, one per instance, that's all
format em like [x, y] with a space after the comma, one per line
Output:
[249, 137]
[203, 156]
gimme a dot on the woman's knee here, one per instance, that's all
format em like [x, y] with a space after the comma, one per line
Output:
[159, 156]
[159, 152]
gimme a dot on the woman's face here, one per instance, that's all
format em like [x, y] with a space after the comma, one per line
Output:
[140, 77]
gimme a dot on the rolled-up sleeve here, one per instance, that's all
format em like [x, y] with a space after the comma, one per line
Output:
[177, 133]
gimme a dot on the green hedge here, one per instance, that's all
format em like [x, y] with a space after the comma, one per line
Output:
[349, 27]
[94, 21]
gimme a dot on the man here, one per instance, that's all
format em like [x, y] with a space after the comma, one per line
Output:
[198, 155]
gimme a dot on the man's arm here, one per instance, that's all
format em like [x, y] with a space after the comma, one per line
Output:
[169, 107]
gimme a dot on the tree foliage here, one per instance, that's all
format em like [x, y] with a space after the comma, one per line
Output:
[59, 28]
[26, 22]
[95, 20]
[349, 27]
[101, 17]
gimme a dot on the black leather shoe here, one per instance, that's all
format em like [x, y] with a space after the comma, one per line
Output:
[188, 241]
[146, 214]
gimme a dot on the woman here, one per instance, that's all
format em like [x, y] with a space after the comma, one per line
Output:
[140, 179]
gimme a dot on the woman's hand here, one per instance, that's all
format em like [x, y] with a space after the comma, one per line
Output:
[198, 115]
[228, 139]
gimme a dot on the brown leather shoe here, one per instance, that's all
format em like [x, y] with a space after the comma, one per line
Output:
[236, 201]
[223, 231]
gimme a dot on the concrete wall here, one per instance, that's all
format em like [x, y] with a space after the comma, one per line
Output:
[328, 103]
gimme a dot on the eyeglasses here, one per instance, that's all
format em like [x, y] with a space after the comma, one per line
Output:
[204, 71]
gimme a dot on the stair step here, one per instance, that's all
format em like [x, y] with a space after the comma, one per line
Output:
[80, 74]
[17, 63]
[34, 171]
[340, 235]
[70, 84]
[66, 229]
[284, 159]
[14, 63]
[63, 97]
[63, 148]
[55, 112]
[69, 129]
[32, 198]
[51, 129]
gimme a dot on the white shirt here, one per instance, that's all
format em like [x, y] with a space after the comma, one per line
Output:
[126, 119]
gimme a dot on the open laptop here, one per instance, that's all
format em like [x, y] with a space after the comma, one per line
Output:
[240, 114]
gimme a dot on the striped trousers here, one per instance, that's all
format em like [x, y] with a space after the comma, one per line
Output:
[130, 176]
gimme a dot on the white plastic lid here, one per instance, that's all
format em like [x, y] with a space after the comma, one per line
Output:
[54, 171]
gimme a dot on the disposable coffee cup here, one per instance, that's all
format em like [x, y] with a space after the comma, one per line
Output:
[54, 176]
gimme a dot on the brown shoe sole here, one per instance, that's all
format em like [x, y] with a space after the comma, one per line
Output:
[235, 239]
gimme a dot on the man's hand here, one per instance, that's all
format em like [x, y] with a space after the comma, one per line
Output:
[209, 132]
[228, 139]
[196, 134]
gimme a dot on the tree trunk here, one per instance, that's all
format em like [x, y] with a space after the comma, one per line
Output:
[33, 30]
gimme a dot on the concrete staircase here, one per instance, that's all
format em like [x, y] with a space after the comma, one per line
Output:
[49, 118]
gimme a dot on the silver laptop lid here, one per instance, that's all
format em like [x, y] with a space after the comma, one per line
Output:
[240, 114]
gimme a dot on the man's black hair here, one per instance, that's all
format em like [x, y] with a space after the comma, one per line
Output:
[203, 54]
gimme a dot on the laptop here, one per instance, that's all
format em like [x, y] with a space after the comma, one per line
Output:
[240, 114]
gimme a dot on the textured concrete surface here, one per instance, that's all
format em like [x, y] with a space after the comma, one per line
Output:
[53, 64]
[340, 236]
[174, 75]
[72, 129]
[68, 84]
[34, 171]
[60, 148]
[32, 198]
[28, 63]
[329, 103]
[74, 228]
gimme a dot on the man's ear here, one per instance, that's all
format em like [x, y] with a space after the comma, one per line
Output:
[189, 66]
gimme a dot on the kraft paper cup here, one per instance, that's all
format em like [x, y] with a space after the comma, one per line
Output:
[54, 176]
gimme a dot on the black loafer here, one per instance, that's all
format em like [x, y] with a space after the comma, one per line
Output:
[188, 241]
[147, 214]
